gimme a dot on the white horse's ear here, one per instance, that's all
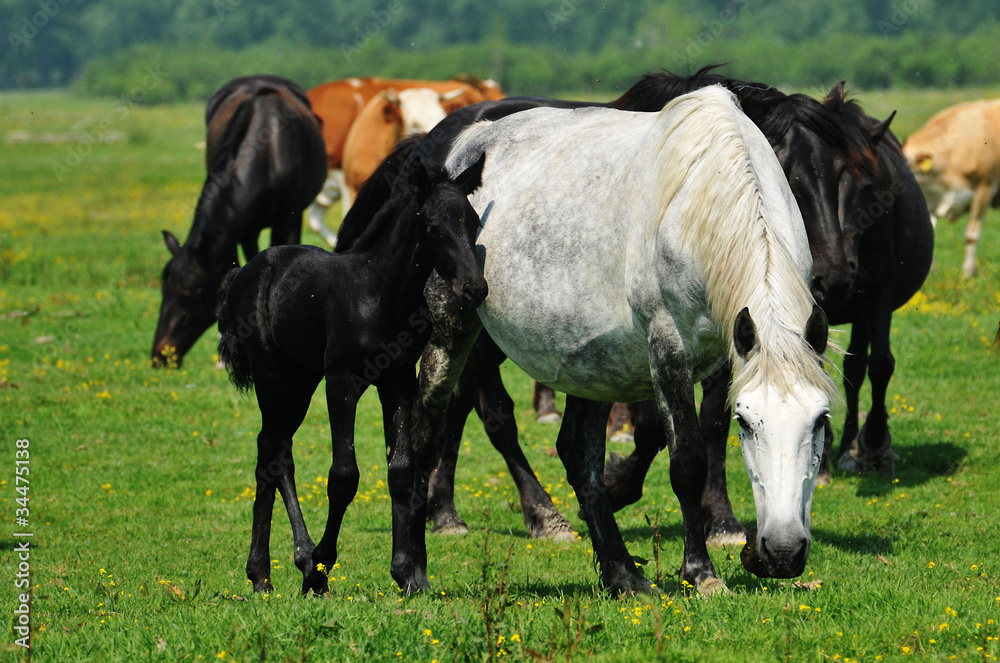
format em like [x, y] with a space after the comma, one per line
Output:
[471, 178]
[172, 244]
[817, 330]
[744, 333]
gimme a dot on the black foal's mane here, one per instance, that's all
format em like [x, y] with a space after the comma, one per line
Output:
[773, 111]
[384, 186]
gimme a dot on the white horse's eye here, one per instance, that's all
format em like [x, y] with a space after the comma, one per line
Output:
[741, 421]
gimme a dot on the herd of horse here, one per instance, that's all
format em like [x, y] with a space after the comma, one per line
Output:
[696, 229]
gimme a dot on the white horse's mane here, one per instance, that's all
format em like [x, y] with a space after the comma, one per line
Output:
[728, 225]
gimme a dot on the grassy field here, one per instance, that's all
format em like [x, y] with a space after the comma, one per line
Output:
[141, 481]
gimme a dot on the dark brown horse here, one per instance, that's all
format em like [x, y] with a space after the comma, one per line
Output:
[266, 162]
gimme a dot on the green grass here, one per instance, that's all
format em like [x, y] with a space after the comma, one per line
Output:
[141, 481]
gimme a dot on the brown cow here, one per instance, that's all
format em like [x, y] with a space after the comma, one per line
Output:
[338, 104]
[956, 159]
[385, 120]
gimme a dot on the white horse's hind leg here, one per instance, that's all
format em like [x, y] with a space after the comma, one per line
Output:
[317, 211]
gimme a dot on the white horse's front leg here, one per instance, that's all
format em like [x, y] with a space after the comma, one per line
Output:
[673, 387]
[317, 211]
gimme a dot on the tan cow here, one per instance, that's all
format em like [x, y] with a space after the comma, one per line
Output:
[956, 159]
[338, 103]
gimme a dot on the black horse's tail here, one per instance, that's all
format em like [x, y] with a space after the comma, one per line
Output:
[232, 352]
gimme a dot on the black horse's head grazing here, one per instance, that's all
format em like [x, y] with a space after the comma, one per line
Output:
[448, 228]
[189, 301]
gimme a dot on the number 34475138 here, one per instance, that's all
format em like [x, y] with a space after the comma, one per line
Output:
[22, 470]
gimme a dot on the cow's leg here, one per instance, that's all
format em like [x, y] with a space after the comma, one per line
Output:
[341, 402]
[317, 210]
[544, 402]
[581, 446]
[283, 404]
[721, 525]
[974, 228]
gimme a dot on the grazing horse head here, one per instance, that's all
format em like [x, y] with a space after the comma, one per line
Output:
[448, 227]
[189, 300]
[782, 433]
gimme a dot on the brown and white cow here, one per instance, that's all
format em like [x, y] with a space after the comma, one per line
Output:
[956, 159]
[338, 103]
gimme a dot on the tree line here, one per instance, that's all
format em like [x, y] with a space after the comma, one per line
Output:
[530, 46]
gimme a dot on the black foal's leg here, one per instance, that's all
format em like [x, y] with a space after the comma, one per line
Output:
[342, 404]
[721, 526]
[283, 405]
[855, 368]
[441, 490]
[874, 447]
[624, 476]
[408, 478]
[544, 402]
[581, 447]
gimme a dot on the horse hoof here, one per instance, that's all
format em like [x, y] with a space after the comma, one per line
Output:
[555, 528]
[848, 464]
[712, 587]
[728, 532]
[451, 527]
[824, 478]
[549, 418]
[315, 582]
[263, 587]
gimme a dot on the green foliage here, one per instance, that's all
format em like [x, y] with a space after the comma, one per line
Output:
[142, 481]
[531, 46]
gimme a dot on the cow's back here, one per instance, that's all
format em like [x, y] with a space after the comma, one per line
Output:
[338, 103]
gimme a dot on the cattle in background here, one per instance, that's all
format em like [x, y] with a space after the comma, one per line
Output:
[339, 103]
[385, 120]
[956, 159]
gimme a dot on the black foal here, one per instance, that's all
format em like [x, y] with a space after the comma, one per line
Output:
[295, 315]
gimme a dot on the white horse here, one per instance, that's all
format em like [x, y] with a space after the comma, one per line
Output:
[629, 254]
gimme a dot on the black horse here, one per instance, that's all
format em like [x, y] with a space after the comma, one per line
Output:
[295, 315]
[266, 162]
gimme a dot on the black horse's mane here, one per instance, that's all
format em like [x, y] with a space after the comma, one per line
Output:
[841, 123]
[385, 188]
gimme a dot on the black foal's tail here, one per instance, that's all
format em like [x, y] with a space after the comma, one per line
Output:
[231, 350]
